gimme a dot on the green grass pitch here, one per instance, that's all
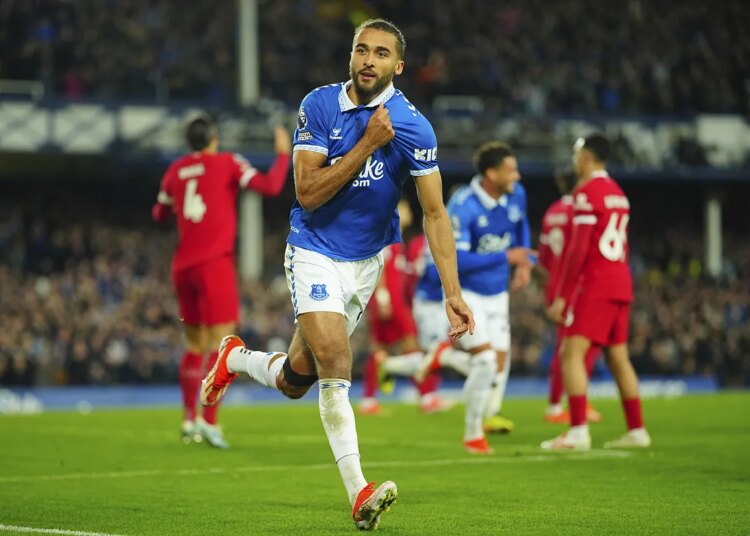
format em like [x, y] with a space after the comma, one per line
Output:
[126, 472]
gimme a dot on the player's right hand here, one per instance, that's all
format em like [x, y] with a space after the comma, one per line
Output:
[518, 256]
[460, 316]
[282, 141]
[379, 129]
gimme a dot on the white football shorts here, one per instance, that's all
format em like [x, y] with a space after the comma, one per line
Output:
[321, 284]
[431, 321]
[492, 321]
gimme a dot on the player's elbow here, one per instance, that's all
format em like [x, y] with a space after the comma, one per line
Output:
[434, 214]
[307, 200]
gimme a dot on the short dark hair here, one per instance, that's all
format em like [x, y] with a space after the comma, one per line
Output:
[384, 26]
[200, 132]
[598, 145]
[566, 180]
[491, 154]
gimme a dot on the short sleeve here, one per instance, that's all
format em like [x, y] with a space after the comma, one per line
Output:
[421, 150]
[242, 170]
[311, 133]
[522, 236]
[586, 206]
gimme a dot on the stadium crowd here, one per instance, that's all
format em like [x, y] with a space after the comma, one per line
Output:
[91, 303]
[570, 56]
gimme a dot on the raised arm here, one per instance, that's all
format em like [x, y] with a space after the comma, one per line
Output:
[315, 183]
[439, 235]
[272, 181]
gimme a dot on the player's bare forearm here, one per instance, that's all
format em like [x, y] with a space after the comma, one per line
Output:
[437, 229]
[315, 183]
[439, 234]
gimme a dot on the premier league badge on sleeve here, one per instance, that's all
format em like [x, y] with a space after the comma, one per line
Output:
[301, 118]
[319, 292]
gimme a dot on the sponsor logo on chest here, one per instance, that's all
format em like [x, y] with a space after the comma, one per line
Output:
[492, 243]
[373, 170]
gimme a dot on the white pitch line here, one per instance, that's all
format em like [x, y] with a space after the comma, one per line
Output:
[34, 530]
[535, 458]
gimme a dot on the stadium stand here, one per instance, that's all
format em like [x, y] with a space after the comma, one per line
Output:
[90, 303]
[629, 56]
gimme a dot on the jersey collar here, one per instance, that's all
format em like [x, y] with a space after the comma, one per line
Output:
[346, 104]
[488, 202]
[600, 174]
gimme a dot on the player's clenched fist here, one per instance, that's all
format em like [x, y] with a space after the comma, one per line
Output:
[379, 129]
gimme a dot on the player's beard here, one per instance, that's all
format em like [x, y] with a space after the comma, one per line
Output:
[365, 95]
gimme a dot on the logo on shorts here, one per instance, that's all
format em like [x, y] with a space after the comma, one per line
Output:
[319, 292]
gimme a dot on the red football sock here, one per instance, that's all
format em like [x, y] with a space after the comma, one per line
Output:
[555, 379]
[190, 375]
[577, 405]
[633, 415]
[429, 385]
[209, 413]
[370, 377]
[591, 356]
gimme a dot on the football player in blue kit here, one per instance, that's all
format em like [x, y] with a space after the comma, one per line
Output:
[492, 235]
[355, 145]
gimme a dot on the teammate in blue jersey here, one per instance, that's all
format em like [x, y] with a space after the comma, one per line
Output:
[492, 236]
[355, 144]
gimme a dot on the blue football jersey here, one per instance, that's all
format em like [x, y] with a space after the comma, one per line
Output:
[361, 219]
[429, 287]
[484, 228]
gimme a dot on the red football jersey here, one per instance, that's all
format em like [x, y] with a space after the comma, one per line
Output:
[415, 265]
[202, 190]
[395, 272]
[557, 224]
[605, 272]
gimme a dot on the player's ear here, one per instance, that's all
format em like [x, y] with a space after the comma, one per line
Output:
[399, 67]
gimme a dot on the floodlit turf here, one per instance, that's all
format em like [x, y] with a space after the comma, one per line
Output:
[126, 472]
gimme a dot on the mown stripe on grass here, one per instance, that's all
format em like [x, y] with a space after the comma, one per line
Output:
[35, 530]
[534, 458]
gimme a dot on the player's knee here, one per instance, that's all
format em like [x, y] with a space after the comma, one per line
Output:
[292, 384]
[292, 392]
[330, 353]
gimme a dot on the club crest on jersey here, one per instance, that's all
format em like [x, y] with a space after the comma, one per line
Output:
[582, 202]
[301, 118]
[319, 292]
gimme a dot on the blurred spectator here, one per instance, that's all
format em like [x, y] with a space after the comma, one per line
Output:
[91, 303]
[535, 56]
[133, 49]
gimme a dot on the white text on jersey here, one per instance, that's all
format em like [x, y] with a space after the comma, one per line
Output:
[189, 172]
